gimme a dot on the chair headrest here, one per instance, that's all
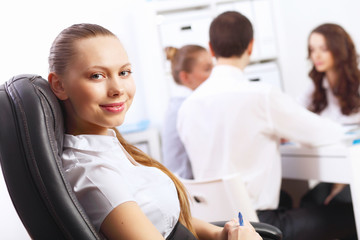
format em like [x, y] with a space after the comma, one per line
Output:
[31, 136]
[34, 98]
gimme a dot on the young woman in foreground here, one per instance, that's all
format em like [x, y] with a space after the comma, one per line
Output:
[125, 193]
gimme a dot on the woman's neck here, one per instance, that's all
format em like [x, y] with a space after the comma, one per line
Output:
[331, 76]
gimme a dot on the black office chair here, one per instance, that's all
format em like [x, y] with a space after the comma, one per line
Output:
[31, 136]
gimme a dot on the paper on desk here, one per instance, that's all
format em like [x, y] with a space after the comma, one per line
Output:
[352, 134]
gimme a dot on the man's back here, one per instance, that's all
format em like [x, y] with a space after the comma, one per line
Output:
[231, 125]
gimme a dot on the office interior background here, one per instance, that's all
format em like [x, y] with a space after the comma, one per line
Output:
[281, 27]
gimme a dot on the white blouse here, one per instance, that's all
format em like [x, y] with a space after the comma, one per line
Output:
[332, 110]
[103, 175]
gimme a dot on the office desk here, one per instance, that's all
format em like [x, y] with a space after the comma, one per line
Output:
[334, 163]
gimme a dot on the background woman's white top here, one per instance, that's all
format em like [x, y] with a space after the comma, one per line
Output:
[332, 110]
[103, 175]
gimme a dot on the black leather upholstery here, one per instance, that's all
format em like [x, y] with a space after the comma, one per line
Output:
[267, 231]
[31, 136]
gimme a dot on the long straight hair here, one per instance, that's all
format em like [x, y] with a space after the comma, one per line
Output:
[144, 159]
[61, 53]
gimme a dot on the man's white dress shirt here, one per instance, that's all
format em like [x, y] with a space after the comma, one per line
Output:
[231, 125]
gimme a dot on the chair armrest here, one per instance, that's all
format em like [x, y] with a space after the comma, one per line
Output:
[266, 231]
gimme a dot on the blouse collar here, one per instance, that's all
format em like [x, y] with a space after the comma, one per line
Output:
[94, 143]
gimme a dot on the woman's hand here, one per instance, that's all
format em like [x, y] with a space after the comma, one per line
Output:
[233, 231]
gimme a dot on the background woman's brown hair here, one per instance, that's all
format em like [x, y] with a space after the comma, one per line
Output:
[346, 87]
[61, 54]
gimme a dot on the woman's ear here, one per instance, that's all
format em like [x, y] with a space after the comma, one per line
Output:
[57, 87]
[184, 78]
[187, 80]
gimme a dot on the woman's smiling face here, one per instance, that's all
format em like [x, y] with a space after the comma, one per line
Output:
[98, 86]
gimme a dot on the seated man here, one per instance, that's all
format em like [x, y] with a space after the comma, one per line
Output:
[231, 125]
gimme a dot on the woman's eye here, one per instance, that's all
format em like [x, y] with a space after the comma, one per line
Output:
[97, 76]
[125, 73]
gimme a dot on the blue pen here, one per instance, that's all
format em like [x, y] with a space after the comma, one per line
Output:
[241, 222]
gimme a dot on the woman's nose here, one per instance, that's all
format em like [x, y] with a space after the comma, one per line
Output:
[114, 88]
[316, 54]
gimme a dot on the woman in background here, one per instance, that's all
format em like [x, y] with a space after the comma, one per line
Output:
[190, 66]
[335, 75]
[334, 93]
[125, 193]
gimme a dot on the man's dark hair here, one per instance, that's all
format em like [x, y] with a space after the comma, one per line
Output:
[230, 34]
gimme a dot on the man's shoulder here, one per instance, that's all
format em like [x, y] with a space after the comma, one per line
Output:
[239, 88]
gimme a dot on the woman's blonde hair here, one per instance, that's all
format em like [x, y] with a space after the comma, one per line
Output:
[61, 53]
[182, 59]
[143, 159]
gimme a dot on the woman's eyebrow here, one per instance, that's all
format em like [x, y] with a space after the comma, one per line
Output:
[104, 67]
[126, 65]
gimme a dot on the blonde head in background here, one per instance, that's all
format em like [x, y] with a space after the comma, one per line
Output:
[191, 65]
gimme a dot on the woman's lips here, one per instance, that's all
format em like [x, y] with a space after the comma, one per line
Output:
[113, 107]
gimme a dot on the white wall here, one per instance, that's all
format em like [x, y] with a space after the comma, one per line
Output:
[29, 27]
[295, 19]
[27, 31]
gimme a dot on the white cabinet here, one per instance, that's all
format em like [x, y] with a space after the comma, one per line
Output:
[189, 23]
[264, 29]
[264, 72]
[184, 27]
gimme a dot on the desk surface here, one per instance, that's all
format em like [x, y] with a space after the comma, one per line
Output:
[336, 150]
[329, 163]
